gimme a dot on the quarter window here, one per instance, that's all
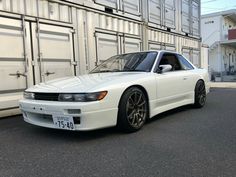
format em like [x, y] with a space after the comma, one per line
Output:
[184, 63]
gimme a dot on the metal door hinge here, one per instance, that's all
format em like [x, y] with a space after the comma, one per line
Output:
[75, 63]
[72, 31]
[33, 63]
[96, 63]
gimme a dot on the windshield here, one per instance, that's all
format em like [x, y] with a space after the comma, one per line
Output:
[139, 62]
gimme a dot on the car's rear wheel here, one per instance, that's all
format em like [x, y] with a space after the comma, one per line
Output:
[133, 110]
[200, 94]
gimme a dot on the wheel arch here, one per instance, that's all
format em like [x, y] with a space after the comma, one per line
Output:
[143, 90]
[200, 79]
[197, 100]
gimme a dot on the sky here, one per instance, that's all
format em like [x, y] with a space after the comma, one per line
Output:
[209, 6]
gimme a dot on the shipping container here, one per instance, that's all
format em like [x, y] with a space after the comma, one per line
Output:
[56, 38]
[31, 8]
[107, 36]
[159, 40]
[54, 11]
[162, 13]
[126, 8]
[195, 18]
[190, 17]
[53, 50]
[13, 64]
[41, 52]
[38, 8]
[181, 16]
[190, 48]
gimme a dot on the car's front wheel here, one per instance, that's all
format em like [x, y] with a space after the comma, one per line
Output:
[200, 94]
[133, 110]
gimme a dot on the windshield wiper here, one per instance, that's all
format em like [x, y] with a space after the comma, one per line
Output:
[134, 70]
[117, 70]
[106, 71]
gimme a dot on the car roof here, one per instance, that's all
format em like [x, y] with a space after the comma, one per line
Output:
[160, 51]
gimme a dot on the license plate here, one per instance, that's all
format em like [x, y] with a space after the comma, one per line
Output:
[64, 122]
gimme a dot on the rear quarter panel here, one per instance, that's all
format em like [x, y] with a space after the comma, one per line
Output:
[203, 75]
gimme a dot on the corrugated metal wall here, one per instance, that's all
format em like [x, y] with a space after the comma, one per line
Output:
[47, 39]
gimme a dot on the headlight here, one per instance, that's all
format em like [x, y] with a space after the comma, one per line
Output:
[28, 95]
[82, 97]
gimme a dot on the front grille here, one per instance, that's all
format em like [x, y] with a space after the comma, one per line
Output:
[46, 96]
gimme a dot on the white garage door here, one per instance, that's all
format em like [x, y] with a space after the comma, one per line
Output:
[12, 63]
[186, 53]
[131, 45]
[152, 46]
[154, 10]
[163, 46]
[169, 13]
[195, 18]
[132, 6]
[185, 16]
[196, 58]
[107, 46]
[53, 52]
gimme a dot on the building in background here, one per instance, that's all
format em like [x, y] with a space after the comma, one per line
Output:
[46, 39]
[218, 31]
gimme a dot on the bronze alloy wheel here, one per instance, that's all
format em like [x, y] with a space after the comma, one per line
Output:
[133, 110]
[136, 109]
[200, 94]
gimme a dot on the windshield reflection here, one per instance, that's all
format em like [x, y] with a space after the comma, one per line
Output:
[132, 62]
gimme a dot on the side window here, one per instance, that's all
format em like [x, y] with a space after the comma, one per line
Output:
[170, 59]
[184, 63]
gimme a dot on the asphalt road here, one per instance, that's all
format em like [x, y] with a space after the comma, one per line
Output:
[184, 142]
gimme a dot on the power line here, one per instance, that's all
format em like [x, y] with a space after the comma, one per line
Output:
[208, 1]
[213, 8]
[223, 8]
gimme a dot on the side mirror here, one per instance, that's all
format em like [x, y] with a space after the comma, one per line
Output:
[165, 68]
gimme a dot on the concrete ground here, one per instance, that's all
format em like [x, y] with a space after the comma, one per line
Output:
[184, 142]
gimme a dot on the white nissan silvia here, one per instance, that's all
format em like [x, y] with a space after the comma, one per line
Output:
[123, 91]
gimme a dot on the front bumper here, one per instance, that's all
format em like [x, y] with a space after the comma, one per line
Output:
[91, 115]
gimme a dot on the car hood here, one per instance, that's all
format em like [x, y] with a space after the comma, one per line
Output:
[86, 83]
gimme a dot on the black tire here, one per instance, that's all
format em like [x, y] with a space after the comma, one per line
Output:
[200, 94]
[133, 110]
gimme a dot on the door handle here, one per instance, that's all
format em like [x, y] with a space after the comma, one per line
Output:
[49, 73]
[185, 78]
[18, 74]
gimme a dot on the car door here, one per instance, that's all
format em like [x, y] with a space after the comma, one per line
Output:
[171, 85]
[190, 76]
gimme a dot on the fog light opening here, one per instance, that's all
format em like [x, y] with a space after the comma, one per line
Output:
[76, 120]
[74, 111]
[25, 114]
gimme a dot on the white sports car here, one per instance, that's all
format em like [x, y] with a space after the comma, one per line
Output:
[123, 91]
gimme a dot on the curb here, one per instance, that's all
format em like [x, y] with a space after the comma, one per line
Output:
[223, 84]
